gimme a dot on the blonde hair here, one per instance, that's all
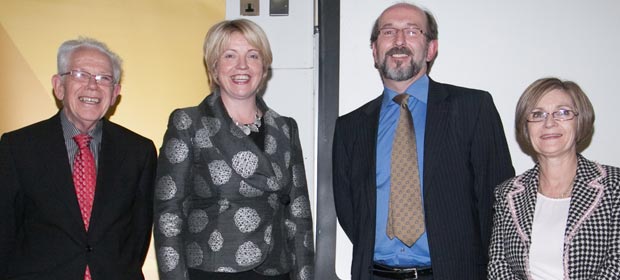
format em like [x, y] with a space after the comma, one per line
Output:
[218, 38]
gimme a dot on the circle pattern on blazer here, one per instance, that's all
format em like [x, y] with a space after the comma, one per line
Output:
[271, 272]
[166, 188]
[245, 163]
[273, 201]
[269, 118]
[212, 125]
[170, 224]
[226, 269]
[181, 120]
[271, 145]
[194, 255]
[287, 159]
[169, 259]
[202, 139]
[272, 183]
[224, 204]
[197, 220]
[216, 240]
[286, 131]
[248, 254]
[291, 228]
[176, 150]
[300, 207]
[298, 176]
[220, 172]
[268, 234]
[247, 219]
[277, 171]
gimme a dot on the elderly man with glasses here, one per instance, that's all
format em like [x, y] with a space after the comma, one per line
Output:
[77, 189]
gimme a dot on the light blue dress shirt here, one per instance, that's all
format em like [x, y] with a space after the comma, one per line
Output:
[394, 252]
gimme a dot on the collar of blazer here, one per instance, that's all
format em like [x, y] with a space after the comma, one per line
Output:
[587, 195]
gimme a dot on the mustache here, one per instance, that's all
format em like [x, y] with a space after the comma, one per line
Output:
[397, 50]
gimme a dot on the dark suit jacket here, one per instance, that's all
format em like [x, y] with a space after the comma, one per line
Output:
[42, 235]
[465, 157]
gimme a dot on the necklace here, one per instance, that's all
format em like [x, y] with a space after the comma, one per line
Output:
[250, 127]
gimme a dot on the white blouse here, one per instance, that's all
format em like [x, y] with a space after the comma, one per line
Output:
[548, 230]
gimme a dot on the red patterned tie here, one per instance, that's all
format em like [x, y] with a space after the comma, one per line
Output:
[84, 179]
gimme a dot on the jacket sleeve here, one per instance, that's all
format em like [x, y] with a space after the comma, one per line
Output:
[491, 162]
[299, 213]
[341, 180]
[143, 206]
[172, 181]
[611, 266]
[10, 204]
[498, 267]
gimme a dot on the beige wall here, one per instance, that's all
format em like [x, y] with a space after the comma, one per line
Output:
[159, 40]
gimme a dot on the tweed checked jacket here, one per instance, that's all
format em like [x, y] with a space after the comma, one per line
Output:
[592, 236]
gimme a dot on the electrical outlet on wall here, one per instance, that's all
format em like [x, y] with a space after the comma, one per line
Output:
[249, 7]
[278, 7]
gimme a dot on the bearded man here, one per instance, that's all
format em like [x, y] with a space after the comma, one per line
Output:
[415, 169]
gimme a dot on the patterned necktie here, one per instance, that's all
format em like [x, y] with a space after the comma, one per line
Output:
[84, 179]
[84, 176]
[405, 215]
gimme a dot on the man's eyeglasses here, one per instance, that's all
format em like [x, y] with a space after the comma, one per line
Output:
[409, 32]
[559, 115]
[84, 77]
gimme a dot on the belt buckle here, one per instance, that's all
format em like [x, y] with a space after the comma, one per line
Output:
[414, 270]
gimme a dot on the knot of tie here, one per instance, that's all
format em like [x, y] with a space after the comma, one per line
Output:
[82, 140]
[402, 99]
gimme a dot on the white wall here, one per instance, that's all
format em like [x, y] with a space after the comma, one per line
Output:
[501, 47]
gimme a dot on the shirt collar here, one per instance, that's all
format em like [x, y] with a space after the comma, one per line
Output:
[419, 90]
[69, 129]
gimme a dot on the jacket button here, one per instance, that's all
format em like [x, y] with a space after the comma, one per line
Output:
[285, 199]
[89, 249]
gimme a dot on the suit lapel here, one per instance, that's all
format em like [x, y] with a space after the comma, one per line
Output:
[437, 122]
[522, 202]
[587, 195]
[111, 157]
[55, 153]
[370, 126]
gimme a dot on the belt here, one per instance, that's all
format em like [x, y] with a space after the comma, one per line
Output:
[400, 272]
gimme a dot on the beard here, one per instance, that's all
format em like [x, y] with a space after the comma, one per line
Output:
[402, 71]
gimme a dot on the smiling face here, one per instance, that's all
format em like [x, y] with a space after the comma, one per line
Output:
[401, 59]
[85, 103]
[239, 69]
[552, 138]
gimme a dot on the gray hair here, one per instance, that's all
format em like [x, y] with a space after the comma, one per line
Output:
[67, 48]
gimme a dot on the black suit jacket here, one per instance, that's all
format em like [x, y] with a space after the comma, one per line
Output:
[42, 235]
[465, 157]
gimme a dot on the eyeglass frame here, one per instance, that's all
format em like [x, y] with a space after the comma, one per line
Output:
[573, 114]
[97, 77]
[403, 30]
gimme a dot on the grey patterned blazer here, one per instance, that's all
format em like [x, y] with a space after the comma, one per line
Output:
[223, 204]
[592, 237]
